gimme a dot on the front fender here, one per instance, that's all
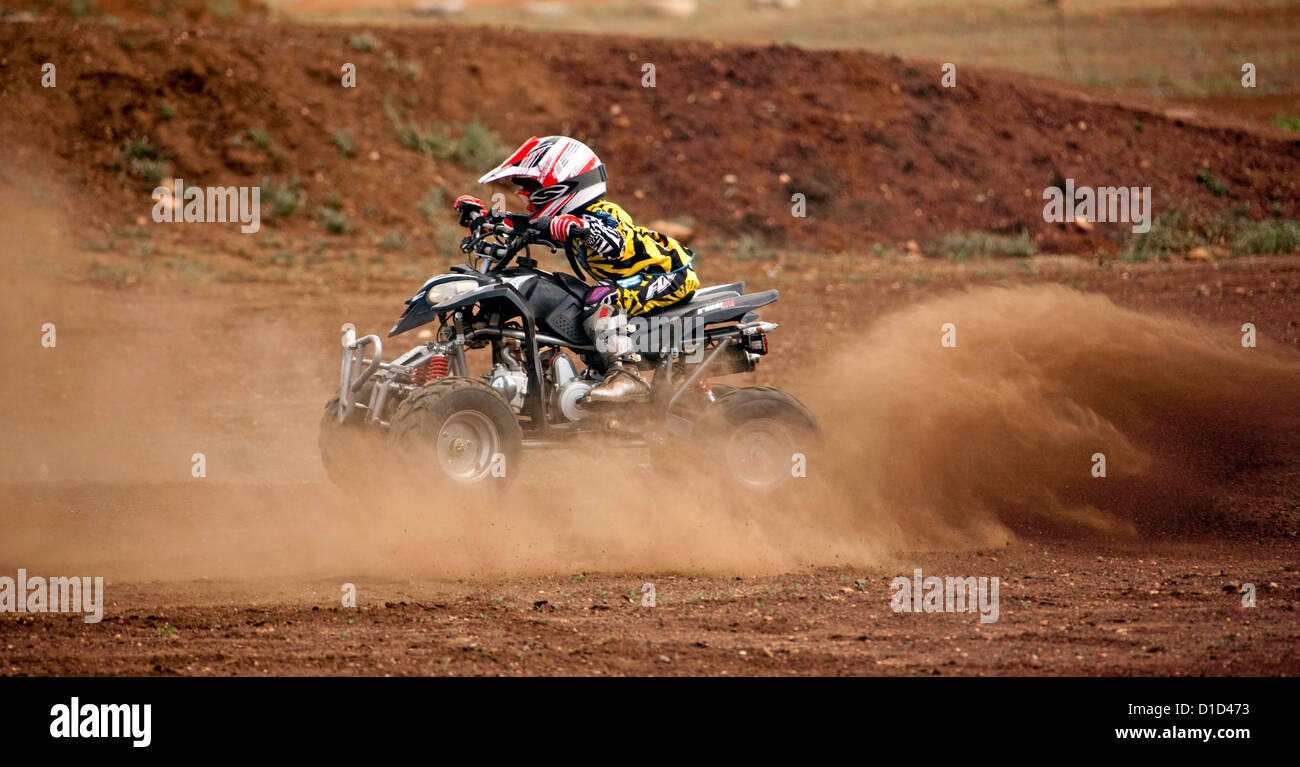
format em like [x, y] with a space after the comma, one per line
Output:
[420, 313]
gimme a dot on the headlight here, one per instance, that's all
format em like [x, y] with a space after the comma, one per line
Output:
[445, 291]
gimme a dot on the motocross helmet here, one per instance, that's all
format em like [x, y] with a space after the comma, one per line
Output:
[555, 175]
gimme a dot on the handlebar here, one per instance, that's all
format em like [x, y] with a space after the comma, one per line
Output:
[517, 231]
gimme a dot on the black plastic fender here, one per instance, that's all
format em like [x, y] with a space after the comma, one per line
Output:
[418, 312]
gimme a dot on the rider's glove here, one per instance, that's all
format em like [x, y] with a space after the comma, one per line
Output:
[562, 227]
[465, 201]
[469, 207]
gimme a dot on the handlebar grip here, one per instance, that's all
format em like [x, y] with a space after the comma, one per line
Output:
[470, 216]
[542, 225]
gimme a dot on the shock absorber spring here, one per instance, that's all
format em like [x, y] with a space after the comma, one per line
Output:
[433, 369]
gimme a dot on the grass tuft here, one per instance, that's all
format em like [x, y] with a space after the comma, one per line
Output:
[963, 246]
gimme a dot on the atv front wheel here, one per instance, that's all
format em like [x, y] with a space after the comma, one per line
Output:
[349, 450]
[457, 429]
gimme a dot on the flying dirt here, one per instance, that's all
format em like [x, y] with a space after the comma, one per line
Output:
[927, 446]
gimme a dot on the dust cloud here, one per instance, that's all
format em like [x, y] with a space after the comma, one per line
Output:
[925, 446]
[952, 443]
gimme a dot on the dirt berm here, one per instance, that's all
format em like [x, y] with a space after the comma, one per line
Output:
[726, 136]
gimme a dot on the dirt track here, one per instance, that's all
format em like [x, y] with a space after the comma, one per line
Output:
[242, 575]
[1066, 608]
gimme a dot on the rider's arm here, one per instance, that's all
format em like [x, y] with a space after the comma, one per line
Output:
[603, 236]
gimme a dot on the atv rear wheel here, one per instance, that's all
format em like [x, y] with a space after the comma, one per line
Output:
[459, 430]
[756, 433]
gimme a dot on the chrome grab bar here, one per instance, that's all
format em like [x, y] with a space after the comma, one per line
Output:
[353, 357]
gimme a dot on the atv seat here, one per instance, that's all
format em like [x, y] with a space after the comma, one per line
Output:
[709, 306]
[721, 303]
[731, 287]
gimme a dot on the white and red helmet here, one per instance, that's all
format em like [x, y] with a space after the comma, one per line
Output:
[555, 174]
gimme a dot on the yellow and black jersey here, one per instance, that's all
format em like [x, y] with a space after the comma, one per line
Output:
[653, 270]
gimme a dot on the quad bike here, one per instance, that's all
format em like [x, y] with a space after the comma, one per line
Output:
[447, 425]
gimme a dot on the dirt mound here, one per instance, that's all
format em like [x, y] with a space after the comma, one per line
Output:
[171, 11]
[727, 135]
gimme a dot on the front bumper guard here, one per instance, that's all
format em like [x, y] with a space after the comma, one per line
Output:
[356, 369]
